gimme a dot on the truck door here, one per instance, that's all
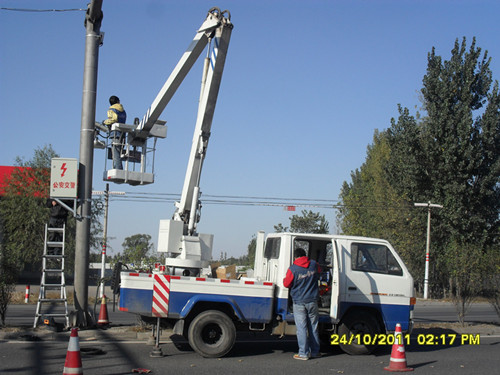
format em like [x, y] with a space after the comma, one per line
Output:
[335, 282]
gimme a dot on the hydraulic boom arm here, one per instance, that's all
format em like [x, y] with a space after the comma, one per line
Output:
[188, 208]
[187, 249]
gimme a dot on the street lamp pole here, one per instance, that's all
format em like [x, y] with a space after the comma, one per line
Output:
[104, 238]
[106, 194]
[429, 205]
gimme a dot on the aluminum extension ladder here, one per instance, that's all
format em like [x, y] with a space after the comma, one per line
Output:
[53, 270]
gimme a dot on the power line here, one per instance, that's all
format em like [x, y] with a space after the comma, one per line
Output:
[130, 193]
[41, 10]
[241, 200]
[238, 200]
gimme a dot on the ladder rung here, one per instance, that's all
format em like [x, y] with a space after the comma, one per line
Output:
[53, 256]
[53, 270]
[53, 285]
[51, 314]
[52, 300]
[55, 243]
[55, 229]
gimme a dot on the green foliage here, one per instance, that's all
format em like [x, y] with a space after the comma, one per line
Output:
[8, 277]
[6, 292]
[309, 222]
[41, 159]
[466, 282]
[249, 259]
[463, 143]
[372, 207]
[491, 280]
[137, 248]
[449, 156]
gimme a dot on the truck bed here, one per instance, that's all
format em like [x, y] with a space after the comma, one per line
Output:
[169, 296]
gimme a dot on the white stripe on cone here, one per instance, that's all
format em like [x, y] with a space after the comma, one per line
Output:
[398, 358]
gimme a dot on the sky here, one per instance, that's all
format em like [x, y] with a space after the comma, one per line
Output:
[305, 85]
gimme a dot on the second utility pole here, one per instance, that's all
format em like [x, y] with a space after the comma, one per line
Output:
[429, 205]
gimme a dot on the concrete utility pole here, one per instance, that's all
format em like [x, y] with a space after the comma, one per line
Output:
[93, 40]
[429, 205]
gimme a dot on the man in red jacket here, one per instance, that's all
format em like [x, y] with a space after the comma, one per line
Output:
[302, 278]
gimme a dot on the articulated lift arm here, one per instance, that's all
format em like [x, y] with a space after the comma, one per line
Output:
[188, 208]
[214, 32]
[188, 249]
[214, 23]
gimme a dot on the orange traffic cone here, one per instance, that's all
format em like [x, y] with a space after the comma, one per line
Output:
[103, 313]
[398, 357]
[73, 364]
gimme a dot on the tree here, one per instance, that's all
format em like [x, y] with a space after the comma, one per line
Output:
[41, 159]
[249, 259]
[466, 282]
[8, 276]
[463, 143]
[463, 155]
[136, 248]
[371, 206]
[491, 278]
[450, 155]
[309, 222]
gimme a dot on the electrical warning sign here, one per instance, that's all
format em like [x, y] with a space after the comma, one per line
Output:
[63, 178]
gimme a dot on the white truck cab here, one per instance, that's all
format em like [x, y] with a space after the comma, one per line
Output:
[365, 287]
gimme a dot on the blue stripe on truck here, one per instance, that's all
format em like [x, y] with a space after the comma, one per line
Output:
[247, 309]
[137, 301]
[391, 314]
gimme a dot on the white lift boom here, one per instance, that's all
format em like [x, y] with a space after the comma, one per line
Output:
[187, 250]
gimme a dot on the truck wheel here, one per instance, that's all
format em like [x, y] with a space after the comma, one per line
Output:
[358, 323]
[212, 334]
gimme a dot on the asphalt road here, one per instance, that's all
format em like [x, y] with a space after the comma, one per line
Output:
[425, 312]
[429, 351]
[249, 356]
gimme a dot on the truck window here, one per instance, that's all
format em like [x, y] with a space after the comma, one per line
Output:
[374, 258]
[272, 250]
[319, 250]
[303, 244]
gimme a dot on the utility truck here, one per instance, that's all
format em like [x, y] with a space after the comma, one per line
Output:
[365, 288]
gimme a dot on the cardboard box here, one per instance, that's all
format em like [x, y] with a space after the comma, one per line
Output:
[226, 272]
[213, 268]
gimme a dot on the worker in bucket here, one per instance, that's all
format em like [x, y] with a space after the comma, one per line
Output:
[116, 114]
[302, 279]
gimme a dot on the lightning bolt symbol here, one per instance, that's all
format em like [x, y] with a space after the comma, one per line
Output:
[63, 169]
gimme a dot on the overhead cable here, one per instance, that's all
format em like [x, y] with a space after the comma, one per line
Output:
[41, 10]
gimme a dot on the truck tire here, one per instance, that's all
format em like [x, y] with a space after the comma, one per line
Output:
[362, 323]
[212, 334]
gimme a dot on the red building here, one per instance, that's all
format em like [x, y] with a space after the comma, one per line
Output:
[27, 179]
